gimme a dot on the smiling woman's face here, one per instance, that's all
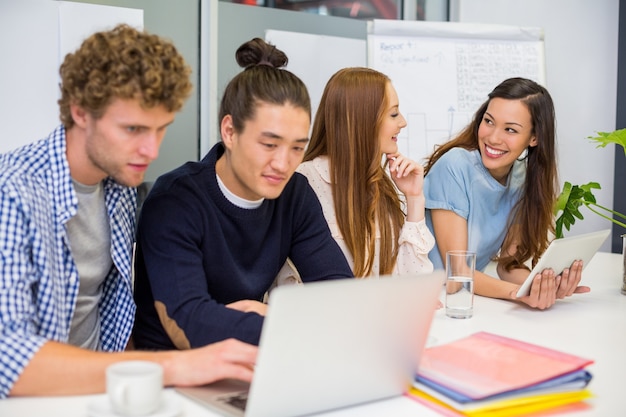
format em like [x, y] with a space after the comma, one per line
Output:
[505, 131]
[392, 122]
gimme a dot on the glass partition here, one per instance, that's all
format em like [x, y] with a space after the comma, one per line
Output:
[362, 9]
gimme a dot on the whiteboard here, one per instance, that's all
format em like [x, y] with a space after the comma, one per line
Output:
[315, 58]
[443, 72]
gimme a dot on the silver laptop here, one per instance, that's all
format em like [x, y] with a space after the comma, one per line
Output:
[332, 344]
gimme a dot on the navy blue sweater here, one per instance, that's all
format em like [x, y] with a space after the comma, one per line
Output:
[196, 252]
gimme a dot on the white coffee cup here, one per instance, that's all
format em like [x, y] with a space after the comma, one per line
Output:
[134, 388]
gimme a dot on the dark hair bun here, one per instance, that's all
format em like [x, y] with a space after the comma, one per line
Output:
[258, 52]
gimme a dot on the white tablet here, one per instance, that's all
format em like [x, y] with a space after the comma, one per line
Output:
[562, 252]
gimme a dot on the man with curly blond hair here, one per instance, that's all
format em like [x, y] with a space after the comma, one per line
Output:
[67, 221]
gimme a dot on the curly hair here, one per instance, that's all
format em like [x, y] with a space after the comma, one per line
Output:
[123, 63]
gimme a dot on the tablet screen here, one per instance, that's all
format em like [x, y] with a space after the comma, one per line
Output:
[562, 252]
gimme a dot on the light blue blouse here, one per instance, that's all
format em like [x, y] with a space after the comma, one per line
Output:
[460, 182]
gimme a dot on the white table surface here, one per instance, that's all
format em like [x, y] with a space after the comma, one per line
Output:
[590, 325]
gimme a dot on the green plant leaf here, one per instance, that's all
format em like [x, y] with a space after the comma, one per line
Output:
[567, 207]
[571, 198]
[604, 138]
[589, 186]
[569, 217]
[563, 199]
[577, 194]
[558, 229]
[566, 223]
[578, 214]
[568, 204]
[589, 197]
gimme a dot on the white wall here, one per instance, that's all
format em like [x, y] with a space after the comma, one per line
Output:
[36, 34]
[29, 72]
[581, 64]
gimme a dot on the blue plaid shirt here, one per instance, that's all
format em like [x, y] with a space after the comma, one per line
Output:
[38, 277]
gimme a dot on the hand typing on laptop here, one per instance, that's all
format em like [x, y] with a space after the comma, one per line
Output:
[227, 359]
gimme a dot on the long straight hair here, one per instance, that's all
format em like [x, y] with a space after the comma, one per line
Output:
[346, 130]
[533, 213]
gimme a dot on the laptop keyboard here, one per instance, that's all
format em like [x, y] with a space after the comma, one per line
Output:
[237, 400]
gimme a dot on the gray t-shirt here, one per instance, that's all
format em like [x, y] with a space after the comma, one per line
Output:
[90, 241]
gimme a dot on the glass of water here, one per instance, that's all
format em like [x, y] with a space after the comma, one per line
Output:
[460, 267]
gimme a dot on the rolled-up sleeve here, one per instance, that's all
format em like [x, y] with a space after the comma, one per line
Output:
[445, 185]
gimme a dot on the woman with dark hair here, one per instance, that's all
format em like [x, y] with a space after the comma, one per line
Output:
[492, 190]
[213, 234]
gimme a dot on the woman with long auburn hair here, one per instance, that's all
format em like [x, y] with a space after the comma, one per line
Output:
[371, 195]
[492, 190]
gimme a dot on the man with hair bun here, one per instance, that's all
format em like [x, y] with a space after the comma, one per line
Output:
[214, 234]
[67, 222]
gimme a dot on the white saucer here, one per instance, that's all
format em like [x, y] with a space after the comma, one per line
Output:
[170, 407]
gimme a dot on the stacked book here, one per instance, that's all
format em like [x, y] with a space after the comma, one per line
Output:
[486, 375]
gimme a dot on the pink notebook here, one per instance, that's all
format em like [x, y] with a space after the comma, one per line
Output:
[486, 364]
